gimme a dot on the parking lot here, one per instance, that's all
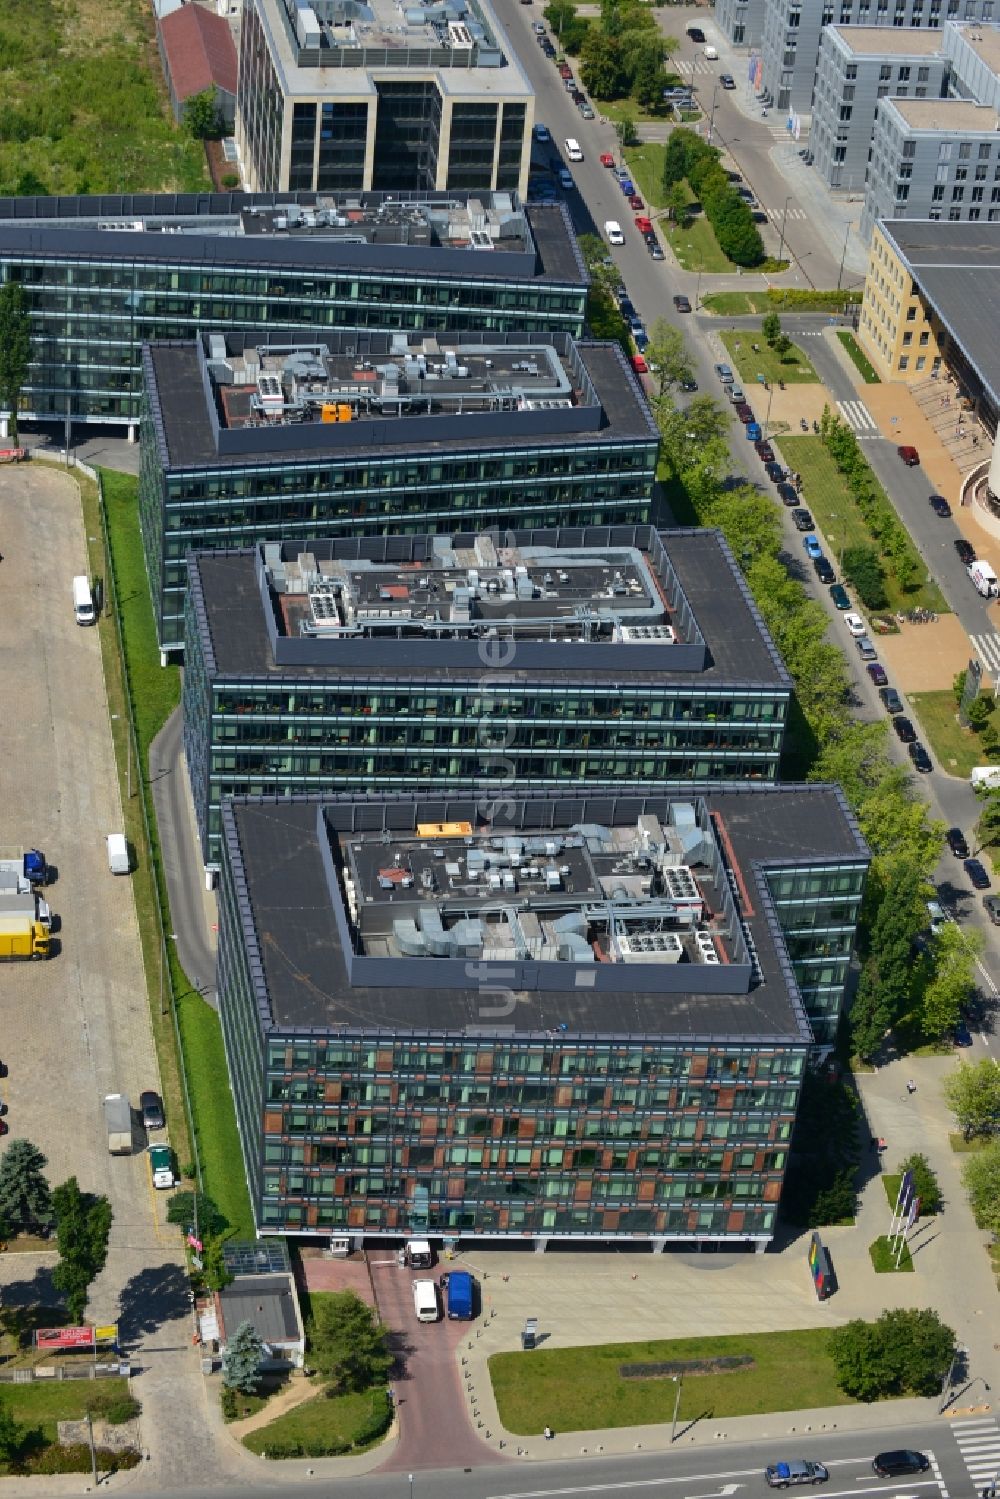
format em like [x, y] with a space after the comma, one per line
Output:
[75, 1027]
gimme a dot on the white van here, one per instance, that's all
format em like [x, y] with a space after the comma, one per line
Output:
[83, 602]
[425, 1300]
[118, 859]
[573, 149]
[711, 53]
[985, 777]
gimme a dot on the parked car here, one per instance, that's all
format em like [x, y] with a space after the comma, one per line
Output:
[613, 232]
[635, 322]
[891, 700]
[961, 1035]
[978, 878]
[765, 452]
[641, 339]
[548, 48]
[812, 545]
[939, 505]
[639, 365]
[643, 224]
[724, 373]
[921, 759]
[682, 304]
[689, 385]
[538, 28]
[572, 149]
[607, 160]
[585, 108]
[790, 1474]
[727, 80]
[625, 304]
[776, 474]
[877, 673]
[903, 1460]
[151, 1109]
[855, 624]
[904, 730]
[543, 133]
[841, 598]
[788, 494]
[627, 186]
[938, 917]
[566, 180]
[909, 455]
[865, 648]
[966, 551]
[565, 71]
[696, 34]
[991, 905]
[755, 432]
[802, 519]
[957, 842]
[636, 202]
[735, 394]
[823, 569]
[744, 412]
[654, 247]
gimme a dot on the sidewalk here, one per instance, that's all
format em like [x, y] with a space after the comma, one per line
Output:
[644, 1297]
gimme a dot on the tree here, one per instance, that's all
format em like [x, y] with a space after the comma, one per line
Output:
[626, 131]
[83, 1225]
[956, 950]
[870, 1018]
[988, 826]
[15, 348]
[601, 71]
[648, 80]
[972, 1092]
[667, 350]
[25, 1200]
[980, 710]
[241, 1360]
[694, 437]
[677, 205]
[781, 345]
[348, 1345]
[905, 1352]
[568, 29]
[771, 329]
[862, 568]
[202, 116]
[981, 1175]
[675, 159]
[925, 1183]
[196, 1210]
[12, 1435]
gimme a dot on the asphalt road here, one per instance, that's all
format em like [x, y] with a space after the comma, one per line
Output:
[735, 1472]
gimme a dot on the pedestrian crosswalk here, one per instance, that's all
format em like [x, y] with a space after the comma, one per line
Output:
[987, 648]
[778, 214]
[979, 1443]
[694, 66]
[858, 418]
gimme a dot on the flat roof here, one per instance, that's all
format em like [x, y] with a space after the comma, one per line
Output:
[478, 235]
[689, 619]
[604, 400]
[267, 1302]
[982, 38]
[888, 41]
[341, 46]
[610, 912]
[956, 268]
[947, 116]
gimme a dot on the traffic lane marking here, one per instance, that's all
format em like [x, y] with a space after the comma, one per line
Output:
[646, 1483]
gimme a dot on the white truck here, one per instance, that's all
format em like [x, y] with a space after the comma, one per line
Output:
[26, 903]
[985, 777]
[118, 859]
[118, 1118]
[986, 581]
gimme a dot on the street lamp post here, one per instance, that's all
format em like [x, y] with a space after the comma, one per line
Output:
[843, 256]
[960, 1351]
[784, 217]
[679, 1382]
[711, 118]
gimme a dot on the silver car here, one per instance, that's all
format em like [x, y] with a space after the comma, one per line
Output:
[785, 1475]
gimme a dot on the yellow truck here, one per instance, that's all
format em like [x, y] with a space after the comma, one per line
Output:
[21, 937]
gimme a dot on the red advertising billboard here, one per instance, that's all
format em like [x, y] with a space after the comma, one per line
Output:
[64, 1337]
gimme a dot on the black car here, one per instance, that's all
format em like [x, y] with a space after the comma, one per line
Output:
[727, 80]
[803, 520]
[921, 759]
[955, 839]
[939, 505]
[788, 494]
[891, 700]
[696, 34]
[905, 732]
[151, 1108]
[978, 878]
[901, 1460]
[625, 307]
[682, 304]
[689, 385]
[824, 571]
[841, 598]
[966, 551]
[774, 472]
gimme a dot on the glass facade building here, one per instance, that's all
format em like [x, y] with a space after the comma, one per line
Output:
[103, 276]
[267, 714]
[422, 104]
[372, 1104]
[588, 463]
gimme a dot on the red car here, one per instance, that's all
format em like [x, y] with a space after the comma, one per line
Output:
[745, 413]
[639, 365]
[643, 224]
[607, 160]
[636, 202]
[909, 455]
[765, 452]
[565, 71]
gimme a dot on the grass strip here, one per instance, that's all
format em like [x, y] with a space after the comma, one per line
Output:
[794, 368]
[858, 357]
[581, 1389]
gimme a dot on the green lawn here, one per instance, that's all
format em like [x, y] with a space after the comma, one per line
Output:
[961, 1146]
[883, 1257]
[696, 247]
[740, 303]
[838, 516]
[578, 1389]
[321, 1422]
[646, 166]
[155, 693]
[83, 104]
[42, 1404]
[794, 369]
[955, 748]
[858, 357]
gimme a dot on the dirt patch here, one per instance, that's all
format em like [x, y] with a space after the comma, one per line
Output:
[733, 1365]
[925, 658]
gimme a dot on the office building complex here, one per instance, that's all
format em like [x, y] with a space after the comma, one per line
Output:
[105, 275]
[257, 437]
[580, 1020]
[858, 68]
[792, 30]
[929, 294]
[617, 653]
[742, 21]
[933, 159]
[346, 95]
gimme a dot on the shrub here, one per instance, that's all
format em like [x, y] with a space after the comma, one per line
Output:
[230, 180]
[925, 1183]
[281, 1447]
[116, 1409]
[227, 1403]
[863, 568]
[378, 1421]
[75, 1458]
